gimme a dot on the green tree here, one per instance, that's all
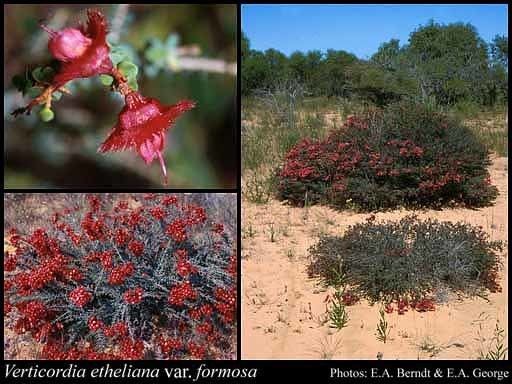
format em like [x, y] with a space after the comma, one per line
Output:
[450, 61]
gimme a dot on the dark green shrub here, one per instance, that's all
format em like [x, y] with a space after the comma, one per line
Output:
[409, 259]
[405, 154]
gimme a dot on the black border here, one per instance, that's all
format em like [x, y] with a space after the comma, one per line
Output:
[307, 370]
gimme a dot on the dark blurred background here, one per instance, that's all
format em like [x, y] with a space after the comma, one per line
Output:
[201, 148]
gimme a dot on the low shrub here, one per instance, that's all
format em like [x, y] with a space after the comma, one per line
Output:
[124, 279]
[406, 154]
[409, 260]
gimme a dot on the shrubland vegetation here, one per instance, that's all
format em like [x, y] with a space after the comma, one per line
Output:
[446, 64]
[447, 71]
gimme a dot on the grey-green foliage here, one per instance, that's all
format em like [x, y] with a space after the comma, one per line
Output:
[409, 259]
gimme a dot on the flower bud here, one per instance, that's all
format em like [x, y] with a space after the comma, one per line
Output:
[67, 44]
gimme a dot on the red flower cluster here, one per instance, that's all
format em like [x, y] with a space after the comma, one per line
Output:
[169, 345]
[119, 274]
[183, 267]
[94, 228]
[105, 258]
[121, 237]
[136, 247]
[169, 200]
[421, 305]
[9, 262]
[118, 329]
[94, 324]
[133, 296]
[73, 274]
[80, 296]
[218, 228]
[226, 303]
[177, 230]
[204, 311]
[158, 213]
[181, 292]
[132, 349]
[196, 351]
[187, 288]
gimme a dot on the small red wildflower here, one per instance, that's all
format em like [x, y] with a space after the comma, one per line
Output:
[136, 247]
[94, 324]
[133, 296]
[119, 274]
[80, 296]
[121, 237]
[168, 345]
[158, 213]
[196, 351]
[142, 125]
[132, 349]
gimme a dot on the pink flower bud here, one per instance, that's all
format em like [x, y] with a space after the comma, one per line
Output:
[67, 44]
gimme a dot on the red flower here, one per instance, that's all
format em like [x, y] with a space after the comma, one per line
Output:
[80, 296]
[196, 351]
[136, 247]
[133, 296]
[142, 124]
[119, 274]
[94, 324]
[83, 52]
[132, 349]
[168, 345]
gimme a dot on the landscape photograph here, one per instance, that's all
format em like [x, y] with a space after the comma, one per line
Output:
[374, 182]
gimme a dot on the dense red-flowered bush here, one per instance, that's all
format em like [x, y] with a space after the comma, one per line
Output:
[403, 155]
[142, 278]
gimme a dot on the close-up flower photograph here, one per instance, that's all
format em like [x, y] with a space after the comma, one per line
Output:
[120, 95]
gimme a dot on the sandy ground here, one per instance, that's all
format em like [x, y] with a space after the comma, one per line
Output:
[283, 310]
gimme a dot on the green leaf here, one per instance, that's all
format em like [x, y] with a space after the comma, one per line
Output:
[19, 82]
[106, 80]
[128, 69]
[122, 52]
[48, 73]
[46, 114]
[43, 74]
[133, 84]
[34, 91]
[37, 74]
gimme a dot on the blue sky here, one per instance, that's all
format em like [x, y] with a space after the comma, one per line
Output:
[358, 29]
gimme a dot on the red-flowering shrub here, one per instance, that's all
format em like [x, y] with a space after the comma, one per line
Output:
[138, 279]
[402, 155]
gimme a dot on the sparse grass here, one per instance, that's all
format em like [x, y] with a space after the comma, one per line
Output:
[248, 232]
[257, 187]
[492, 129]
[290, 254]
[271, 125]
[272, 232]
[327, 347]
[429, 346]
